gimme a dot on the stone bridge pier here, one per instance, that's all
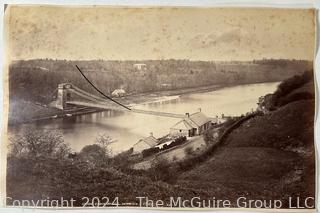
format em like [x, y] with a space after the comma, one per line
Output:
[63, 95]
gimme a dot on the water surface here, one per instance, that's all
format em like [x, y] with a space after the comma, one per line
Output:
[127, 128]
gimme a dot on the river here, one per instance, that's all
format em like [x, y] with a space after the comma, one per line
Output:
[127, 128]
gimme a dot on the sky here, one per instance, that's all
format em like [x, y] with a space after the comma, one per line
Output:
[85, 33]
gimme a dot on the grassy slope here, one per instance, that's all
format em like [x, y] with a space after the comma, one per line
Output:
[74, 180]
[267, 157]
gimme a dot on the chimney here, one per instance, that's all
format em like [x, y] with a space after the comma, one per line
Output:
[199, 109]
[187, 114]
[151, 134]
[222, 115]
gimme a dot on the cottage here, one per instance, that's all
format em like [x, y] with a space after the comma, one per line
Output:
[145, 143]
[118, 93]
[191, 125]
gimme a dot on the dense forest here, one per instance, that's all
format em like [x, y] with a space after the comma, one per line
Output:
[35, 80]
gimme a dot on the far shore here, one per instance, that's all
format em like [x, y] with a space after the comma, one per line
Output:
[143, 98]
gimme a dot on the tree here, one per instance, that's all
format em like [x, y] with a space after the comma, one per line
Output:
[161, 170]
[35, 163]
[98, 154]
[94, 155]
[104, 141]
[39, 143]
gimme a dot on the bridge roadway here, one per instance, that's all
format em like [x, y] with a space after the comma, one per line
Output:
[103, 105]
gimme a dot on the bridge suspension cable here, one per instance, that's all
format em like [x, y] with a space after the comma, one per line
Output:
[93, 101]
[111, 99]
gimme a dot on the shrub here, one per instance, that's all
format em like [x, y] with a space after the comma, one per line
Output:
[150, 151]
[123, 159]
[178, 141]
[208, 136]
[94, 155]
[161, 170]
[295, 97]
[188, 150]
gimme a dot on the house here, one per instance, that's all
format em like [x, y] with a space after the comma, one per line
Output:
[165, 86]
[140, 66]
[191, 125]
[118, 93]
[145, 143]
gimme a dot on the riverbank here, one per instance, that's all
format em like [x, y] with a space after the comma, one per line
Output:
[143, 98]
[149, 97]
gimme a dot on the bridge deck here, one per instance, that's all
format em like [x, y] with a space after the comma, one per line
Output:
[105, 106]
[95, 101]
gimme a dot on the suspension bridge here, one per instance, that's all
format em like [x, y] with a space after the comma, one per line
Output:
[69, 95]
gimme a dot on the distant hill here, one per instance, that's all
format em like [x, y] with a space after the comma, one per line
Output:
[35, 80]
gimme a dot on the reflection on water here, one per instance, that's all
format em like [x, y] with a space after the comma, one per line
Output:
[127, 128]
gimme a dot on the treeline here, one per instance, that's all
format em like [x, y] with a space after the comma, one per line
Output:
[35, 80]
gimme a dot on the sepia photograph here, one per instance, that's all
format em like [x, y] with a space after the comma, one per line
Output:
[160, 107]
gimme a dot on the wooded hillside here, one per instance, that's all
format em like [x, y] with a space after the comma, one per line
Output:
[35, 80]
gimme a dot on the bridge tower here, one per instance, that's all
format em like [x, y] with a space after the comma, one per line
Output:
[63, 95]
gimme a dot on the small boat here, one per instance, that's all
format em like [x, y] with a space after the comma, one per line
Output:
[68, 115]
[55, 116]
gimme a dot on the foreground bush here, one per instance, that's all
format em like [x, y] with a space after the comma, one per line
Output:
[32, 175]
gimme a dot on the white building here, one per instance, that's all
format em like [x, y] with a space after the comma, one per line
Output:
[145, 143]
[118, 93]
[140, 66]
[191, 125]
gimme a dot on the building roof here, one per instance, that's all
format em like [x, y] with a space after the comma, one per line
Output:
[116, 91]
[184, 125]
[151, 141]
[194, 120]
[199, 118]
